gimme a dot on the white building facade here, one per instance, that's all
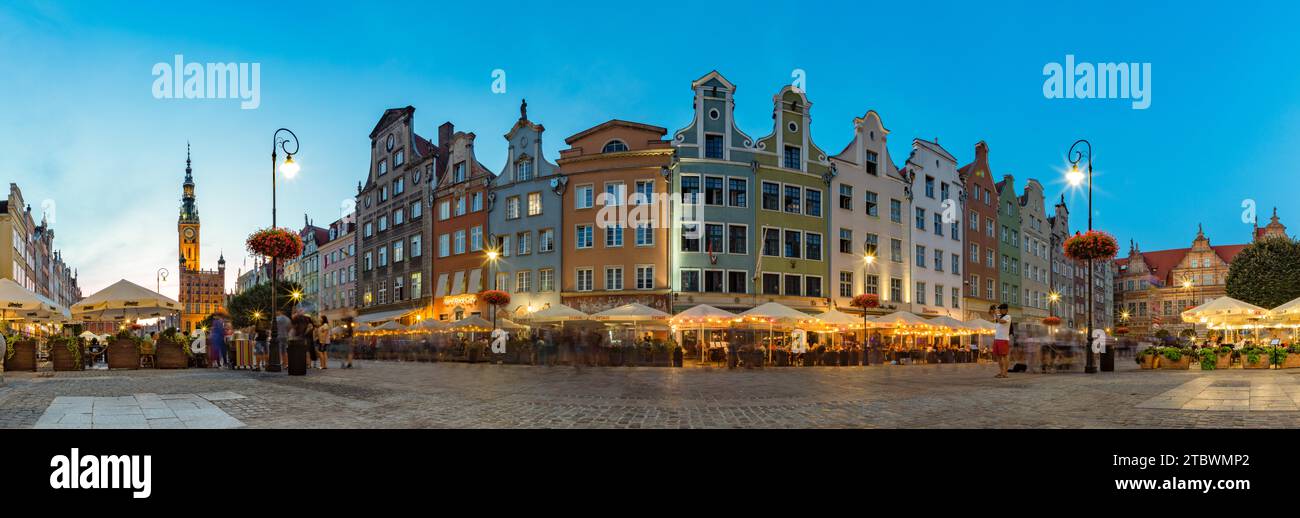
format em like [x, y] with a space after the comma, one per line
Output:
[936, 225]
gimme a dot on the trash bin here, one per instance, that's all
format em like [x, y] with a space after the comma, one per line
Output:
[297, 357]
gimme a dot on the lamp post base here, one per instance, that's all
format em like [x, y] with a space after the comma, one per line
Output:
[273, 357]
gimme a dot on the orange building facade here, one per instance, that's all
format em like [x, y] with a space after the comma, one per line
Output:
[460, 228]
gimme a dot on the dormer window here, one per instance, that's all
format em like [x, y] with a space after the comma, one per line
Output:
[458, 172]
[791, 157]
[524, 170]
[614, 146]
[872, 163]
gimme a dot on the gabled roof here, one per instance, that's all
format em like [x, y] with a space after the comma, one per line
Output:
[936, 148]
[611, 124]
[1161, 263]
[391, 115]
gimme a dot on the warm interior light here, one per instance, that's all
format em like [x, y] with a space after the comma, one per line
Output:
[290, 167]
[1075, 176]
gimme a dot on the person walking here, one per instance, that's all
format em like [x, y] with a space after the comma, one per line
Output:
[1001, 338]
[219, 342]
[259, 348]
[282, 328]
[323, 342]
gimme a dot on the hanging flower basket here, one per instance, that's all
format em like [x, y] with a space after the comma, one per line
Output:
[275, 243]
[865, 301]
[1121, 330]
[1052, 321]
[495, 297]
[1092, 245]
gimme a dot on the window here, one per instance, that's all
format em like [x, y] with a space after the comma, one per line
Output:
[713, 238]
[614, 146]
[690, 189]
[523, 281]
[458, 241]
[645, 191]
[871, 284]
[713, 190]
[846, 284]
[417, 209]
[895, 211]
[524, 170]
[813, 246]
[846, 197]
[534, 204]
[546, 240]
[444, 245]
[896, 250]
[793, 285]
[871, 244]
[846, 241]
[938, 295]
[812, 286]
[583, 238]
[417, 248]
[792, 194]
[458, 172]
[476, 239]
[383, 223]
[772, 283]
[813, 207]
[645, 235]
[938, 260]
[399, 186]
[974, 253]
[943, 191]
[873, 161]
[502, 281]
[383, 256]
[689, 243]
[793, 239]
[584, 279]
[506, 248]
[929, 187]
[367, 262]
[477, 202]
[583, 197]
[399, 158]
[714, 281]
[397, 251]
[525, 243]
[920, 218]
[417, 285]
[990, 289]
[645, 277]
[738, 192]
[615, 194]
[737, 282]
[737, 239]
[713, 146]
[460, 206]
[690, 280]
[546, 280]
[398, 218]
[512, 207]
[444, 210]
[614, 236]
[974, 221]
[872, 207]
[956, 264]
[771, 196]
[920, 256]
[383, 167]
[919, 294]
[791, 157]
[772, 242]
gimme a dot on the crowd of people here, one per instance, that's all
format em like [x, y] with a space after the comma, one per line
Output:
[222, 342]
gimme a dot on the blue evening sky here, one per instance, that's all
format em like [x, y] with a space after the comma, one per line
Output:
[80, 126]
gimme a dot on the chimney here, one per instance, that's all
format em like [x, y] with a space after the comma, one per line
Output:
[445, 131]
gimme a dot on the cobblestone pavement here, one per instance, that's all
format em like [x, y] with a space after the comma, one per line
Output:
[425, 395]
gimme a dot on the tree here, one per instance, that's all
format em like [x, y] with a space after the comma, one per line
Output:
[1266, 273]
[255, 304]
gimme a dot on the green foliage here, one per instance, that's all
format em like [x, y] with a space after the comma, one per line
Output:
[1277, 355]
[1162, 334]
[1252, 354]
[258, 300]
[1172, 354]
[1266, 273]
[1225, 349]
[1208, 358]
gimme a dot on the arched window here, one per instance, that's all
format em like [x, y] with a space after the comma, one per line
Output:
[614, 146]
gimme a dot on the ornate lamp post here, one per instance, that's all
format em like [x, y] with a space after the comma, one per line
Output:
[158, 278]
[290, 170]
[1075, 177]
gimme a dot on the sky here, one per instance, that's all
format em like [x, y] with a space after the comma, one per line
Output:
[80, 126]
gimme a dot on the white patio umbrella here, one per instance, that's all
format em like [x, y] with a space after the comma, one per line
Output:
[703, 315]
[558, 313]
[504, 323]
[630, 313]
[16, 303]
[124, 300]
[472, 324]
[773, 313]
[1224, 310]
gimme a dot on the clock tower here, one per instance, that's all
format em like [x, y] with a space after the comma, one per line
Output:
[188, 225]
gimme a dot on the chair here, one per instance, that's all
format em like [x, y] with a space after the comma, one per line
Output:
[148, 356]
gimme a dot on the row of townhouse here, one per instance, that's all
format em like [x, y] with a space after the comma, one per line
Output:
[752, 220]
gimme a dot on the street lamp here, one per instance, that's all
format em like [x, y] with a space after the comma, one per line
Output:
[492, 256]
[870, 259]
[1075, 177]
[158, 278]
[290, 170]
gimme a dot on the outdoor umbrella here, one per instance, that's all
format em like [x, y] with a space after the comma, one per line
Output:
[630, 313]
[391, 325]
[122, 301]
[16, 303]
[772, 313]
[703, 314]
[1224, 310]
[558, 313]
[839, 321]
[901, 321]
[507, 324]
[472, 324]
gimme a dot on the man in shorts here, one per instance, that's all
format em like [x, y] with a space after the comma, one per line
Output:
[1001, 338]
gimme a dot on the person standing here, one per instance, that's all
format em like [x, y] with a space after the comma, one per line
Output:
[323, 342]
[1001, 338]
[259, 348]
[282, 326]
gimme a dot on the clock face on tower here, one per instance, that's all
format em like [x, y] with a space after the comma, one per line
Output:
[189, 234]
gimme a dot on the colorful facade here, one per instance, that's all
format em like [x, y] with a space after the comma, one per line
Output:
[1034, 260]
[461, 226]
[792, 178]
[713, 255]
[981, 235]
[1009, 246]
[937, 266]
[606, 262]
[525, 205]
[868, 228]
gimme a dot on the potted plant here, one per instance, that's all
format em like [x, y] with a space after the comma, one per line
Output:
[1277, 356]
[1209, 359]
[1254, 357]
[65, 353]
[1093, 245]
[20, 355]
[124, 351]
[1292, 359]
[1223, 357]
[1147, 358]
[1174, 358]
[275, 243]
[171, 351]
